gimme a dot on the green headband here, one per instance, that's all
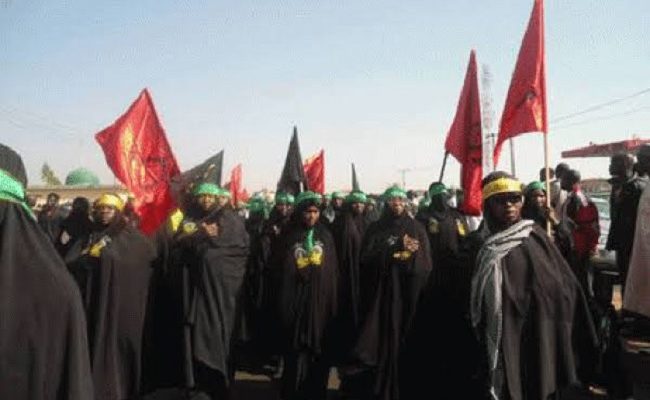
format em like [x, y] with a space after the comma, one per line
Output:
[356, 197]
[424, 203]
[436, 189]
[210, 189]
[308, 196]
[284, 198]
[206, 188]
[13, 191]
[338, 195]
[394, 191]
[256, 204]
[536, 185]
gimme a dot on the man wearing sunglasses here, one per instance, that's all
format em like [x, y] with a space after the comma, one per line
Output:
[526, 307]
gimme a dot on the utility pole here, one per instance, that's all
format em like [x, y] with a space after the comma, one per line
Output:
[403, 171]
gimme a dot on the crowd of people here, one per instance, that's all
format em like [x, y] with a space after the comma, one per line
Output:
[405, 302]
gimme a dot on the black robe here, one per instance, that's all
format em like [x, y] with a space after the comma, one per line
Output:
[348, 231]
[43, 344]
[51, 224]
[442, 331]
[306, 303]
[548, 340]
[623, 221]
[212, 271]
[74, 229]
[391, 291]
[114, 289]
[262, 324]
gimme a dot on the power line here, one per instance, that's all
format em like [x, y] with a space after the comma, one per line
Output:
[604, 118]
[601, 105]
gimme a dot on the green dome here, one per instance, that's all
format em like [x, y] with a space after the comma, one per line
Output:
[81, 177]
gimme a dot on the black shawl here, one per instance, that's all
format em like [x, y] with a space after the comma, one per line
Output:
[348, 231]
[306, 299]
[43, 345]
[114, 288]
[390, 293]
[213, 271]
[548, 340]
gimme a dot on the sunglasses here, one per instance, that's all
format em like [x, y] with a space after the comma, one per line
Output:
[508, 198]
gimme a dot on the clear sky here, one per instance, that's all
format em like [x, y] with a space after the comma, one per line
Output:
[372, 82]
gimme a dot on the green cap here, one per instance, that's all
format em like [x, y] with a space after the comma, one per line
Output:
[308, 196]
[356, 197]
[535, 185]
[437, 188]
[256, 205]
[284, 198]
[394, 191]
[338, 195]
[424, 203]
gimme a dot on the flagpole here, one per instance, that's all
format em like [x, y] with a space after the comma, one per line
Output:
[512, 157]
[444, 165]
[548, 183]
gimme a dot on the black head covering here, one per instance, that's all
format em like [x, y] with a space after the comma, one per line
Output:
[43, 331]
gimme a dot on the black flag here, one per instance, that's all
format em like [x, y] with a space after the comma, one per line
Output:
[209, 170]
[293, 175]
[355, 181]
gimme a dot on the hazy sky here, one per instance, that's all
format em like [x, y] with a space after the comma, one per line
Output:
[372, 82]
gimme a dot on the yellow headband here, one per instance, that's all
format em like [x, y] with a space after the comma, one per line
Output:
[501, 185]
[110, 200]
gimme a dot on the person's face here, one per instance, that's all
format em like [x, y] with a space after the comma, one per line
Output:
[222, 201]
[566, 184]
[104, 215]
[396, 205]
[206, 201]
[52, 201]
[505, 208]
[337, 203]
[283, 209]
[370, 207]
[310, 216]
[357, 208]
[539, 198]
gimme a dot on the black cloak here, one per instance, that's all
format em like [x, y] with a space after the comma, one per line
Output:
[348, 231]
[213, 271]
[442, 333]
[114, 288]
[548, 340]
[43, 344]
[74, 229]
[262, 326]
[306, 303]
[391, 290]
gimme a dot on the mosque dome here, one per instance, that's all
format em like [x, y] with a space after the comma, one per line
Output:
[81, 177]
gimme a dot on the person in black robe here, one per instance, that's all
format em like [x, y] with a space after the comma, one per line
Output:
[528, 309]
[113, 270]
[76, 226]
[257, 215]
[624, 203]
[212, 247]
[43, 344]
[394, 267]
[348, 231]
[306, 275]
[535, 209]
[262, 320]
[50, 217]
[442, 328]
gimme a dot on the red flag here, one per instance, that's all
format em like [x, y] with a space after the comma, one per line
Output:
[525, 108]
[139, 155]
[315, 172]
[465, 139]
[235, 185]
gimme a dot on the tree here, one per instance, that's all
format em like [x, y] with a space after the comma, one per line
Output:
[48, 176]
